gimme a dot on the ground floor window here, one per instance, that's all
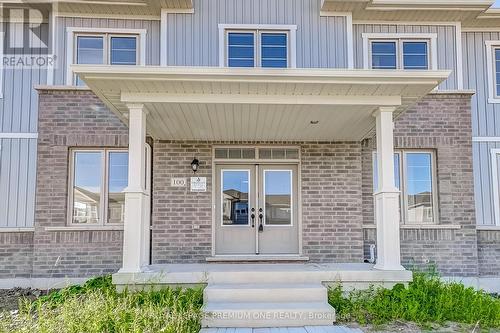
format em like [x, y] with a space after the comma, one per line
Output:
[97, 180]
[415, 177]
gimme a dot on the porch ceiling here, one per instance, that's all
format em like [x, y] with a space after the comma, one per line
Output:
[199, 103]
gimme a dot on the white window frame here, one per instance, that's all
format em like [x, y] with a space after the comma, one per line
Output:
[403, 184]
[491, 46]
[400, 38]
[73, 32]
[258, 29]
[221, 203]
[103, 212]
[292, 203]
[494, 153]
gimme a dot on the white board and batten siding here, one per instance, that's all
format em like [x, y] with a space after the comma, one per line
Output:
[193, 39]
[485, 122]
[446, 45]
[18, 144]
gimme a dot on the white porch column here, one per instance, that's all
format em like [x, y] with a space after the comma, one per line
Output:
[386, 195]
[137, 205]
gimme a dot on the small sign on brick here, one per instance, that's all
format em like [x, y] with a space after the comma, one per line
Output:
[198, 184]
[178, 182]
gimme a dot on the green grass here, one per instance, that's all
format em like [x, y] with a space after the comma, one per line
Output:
[424, 301]
[98, 307]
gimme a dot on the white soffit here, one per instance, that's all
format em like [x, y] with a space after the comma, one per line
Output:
[117, 8]
[469, 12]
[201, 103]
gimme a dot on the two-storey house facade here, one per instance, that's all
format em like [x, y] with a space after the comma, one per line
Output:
[318, 132]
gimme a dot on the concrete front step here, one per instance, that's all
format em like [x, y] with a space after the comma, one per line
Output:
[283, 292]
[260, 314]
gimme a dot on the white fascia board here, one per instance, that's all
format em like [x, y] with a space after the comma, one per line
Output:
[308, 75]
[260, 99]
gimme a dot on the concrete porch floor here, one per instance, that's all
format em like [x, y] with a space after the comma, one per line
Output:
[358, 275]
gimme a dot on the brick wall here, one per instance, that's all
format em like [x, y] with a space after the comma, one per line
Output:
[182, 220]
[336, 194]
[440, 122]
[71, 118]
[16, 254]
[488, 246]
[331, 202]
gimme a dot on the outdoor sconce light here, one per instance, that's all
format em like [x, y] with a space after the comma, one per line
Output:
[195, 165]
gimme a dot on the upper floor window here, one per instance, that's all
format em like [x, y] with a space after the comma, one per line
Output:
[400, 51]
[91, 46]
[493, 63]
[268, 46]
[415, 177]
[106, 49]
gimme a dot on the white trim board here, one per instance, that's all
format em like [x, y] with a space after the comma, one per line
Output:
[494, 179]
[459, 56]
[18, 135]
[486, 139]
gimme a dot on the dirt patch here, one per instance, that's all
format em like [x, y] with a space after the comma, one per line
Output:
[9, 298]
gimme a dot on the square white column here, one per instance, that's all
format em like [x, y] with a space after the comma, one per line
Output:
[386, 196]
[137, 200]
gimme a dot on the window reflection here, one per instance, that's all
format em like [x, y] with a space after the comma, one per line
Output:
[117, 181]
[235, 197]
[87, 187]
[419, 187]
[89, 50]
[278, 197]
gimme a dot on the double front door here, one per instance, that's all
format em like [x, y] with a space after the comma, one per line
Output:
[256, 210]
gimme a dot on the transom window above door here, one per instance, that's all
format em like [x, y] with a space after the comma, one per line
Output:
[269, 46]
[400, 51]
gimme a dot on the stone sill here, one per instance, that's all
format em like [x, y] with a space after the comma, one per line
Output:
[85, 228]
[422, 226]
[16, 230]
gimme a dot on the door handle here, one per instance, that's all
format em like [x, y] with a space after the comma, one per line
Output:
[253, 217]
[261, 226]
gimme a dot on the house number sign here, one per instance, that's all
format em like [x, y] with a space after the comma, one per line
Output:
[178, 182]
[198, 184]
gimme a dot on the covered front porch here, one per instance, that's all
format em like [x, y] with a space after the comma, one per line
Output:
[266, 109]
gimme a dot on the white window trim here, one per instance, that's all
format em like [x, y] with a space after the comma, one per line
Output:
[491, 45]
[72, 32]
[403, 185]
[291, 30]
[104, 191]
[431, 38]
[495, 187]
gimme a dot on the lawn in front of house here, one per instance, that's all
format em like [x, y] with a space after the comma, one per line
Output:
[426, 301]
[97, 307]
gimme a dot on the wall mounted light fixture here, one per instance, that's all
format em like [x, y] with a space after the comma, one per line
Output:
[195, 164]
